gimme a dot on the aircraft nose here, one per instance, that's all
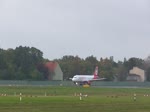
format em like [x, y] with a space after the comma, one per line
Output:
[73, 79]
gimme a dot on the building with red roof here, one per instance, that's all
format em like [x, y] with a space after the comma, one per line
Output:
[55, 72]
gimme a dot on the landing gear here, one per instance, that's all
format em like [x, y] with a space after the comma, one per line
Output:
[86, 83]
[76, 83]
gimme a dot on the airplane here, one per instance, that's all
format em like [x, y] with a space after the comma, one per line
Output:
[86, 79]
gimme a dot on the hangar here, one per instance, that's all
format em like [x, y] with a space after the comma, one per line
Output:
[136, 74]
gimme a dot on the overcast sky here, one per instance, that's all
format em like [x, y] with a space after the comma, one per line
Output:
[102, 28]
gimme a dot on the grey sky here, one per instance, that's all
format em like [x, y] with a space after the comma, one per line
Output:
[102, 28]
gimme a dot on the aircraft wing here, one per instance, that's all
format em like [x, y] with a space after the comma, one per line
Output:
[99, 79]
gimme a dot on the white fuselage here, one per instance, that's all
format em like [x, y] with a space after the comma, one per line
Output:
[82, 78]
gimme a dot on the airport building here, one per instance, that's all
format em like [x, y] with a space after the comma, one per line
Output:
[136, 74]
[55, 72]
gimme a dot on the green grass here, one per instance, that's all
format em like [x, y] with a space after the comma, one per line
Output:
[62, 99]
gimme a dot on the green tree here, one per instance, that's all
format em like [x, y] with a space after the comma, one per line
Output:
[106, 69]
[133, 62]
[121, 71]
[26, 60]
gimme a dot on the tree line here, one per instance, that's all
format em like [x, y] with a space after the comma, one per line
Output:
[108, 68]
[20, 64]
[27, 63]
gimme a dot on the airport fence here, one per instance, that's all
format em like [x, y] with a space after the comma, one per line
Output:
[70, 83]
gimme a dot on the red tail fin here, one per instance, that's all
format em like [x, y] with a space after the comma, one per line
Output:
[96, 73]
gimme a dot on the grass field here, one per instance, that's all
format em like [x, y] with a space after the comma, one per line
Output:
[66, 99]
